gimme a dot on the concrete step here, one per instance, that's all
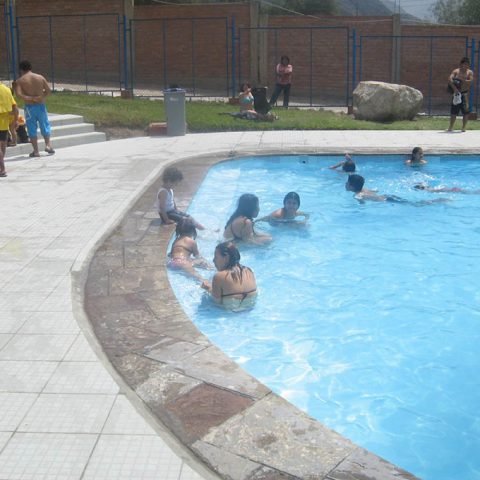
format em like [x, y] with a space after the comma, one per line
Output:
[57, 119]
[67, 131]
[71, 129]
[58, 142]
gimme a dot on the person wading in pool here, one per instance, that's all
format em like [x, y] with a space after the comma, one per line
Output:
[233, 286]
[289, 213]
[240, 225]
[184, 254]
[348, 165]
[416, 158]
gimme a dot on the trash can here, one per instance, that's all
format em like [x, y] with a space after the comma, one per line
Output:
[175, 111]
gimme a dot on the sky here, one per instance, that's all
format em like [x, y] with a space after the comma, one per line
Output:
[419, 8]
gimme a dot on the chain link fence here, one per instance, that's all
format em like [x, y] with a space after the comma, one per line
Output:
[210, 57]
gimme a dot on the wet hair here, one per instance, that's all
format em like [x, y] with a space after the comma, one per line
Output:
[230, 249]
[25, 66]
[247, 204]
[243, 85]
[356, 181]
[172, 175]
[349, 166]
[465, 60]
[284, 57]
[186, 227]
[291, 196]
[420, 186]
[416, 150]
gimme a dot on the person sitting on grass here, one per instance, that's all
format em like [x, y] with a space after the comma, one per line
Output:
[348, 165]
[165, 201]
[247, 109]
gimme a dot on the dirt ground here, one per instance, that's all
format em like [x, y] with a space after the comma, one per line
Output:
[117, 133]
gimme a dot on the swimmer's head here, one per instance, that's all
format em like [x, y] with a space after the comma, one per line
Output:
[420, 186]
[226, 256]
[248, 205]
[186, 227]
[291, 197]
[417, 154]
[354, 183]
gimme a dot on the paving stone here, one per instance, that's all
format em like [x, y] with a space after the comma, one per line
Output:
[96, 307]
[138, 279]
[363, 465]
[135, 369]
[202, 408]
[212, 366]
[261, 432]
[164, 385]
[107, 260]
[144, 256]
[171, 350]
[227, 464]
[125, 339]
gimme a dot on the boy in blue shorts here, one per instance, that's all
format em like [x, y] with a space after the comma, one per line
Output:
[32, 88]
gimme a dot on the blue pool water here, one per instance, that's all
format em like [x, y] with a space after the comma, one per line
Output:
[369, 318]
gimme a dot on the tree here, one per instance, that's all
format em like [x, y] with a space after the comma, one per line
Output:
[459, 12]
[311, 7]
[471, 12]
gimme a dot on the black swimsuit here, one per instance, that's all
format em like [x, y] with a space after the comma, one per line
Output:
[243, 294]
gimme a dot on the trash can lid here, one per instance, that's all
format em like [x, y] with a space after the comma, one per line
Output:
[174, 89]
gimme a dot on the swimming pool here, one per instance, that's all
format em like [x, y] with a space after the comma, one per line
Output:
[368, 317]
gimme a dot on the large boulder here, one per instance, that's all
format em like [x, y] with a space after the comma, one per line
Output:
[386, 102]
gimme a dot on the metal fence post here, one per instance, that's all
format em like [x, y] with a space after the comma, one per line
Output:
[234, 59]
[430, 78]
[472, 66]
[354, 67]
[125, 53]
[13, 36]
[52, 61]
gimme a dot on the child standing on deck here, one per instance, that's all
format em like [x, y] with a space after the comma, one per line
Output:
[165, 202]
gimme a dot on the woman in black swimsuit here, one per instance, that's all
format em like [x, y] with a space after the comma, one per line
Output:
[233, 286]
[240, 225]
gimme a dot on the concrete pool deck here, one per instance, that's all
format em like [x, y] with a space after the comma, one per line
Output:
[71, 399]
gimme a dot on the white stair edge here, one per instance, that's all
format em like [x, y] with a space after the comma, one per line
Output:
[57, 142]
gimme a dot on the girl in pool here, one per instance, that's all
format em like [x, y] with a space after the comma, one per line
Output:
[289, 212]
[240, 225]
[416, 158]
[233, 286]
[348, 165]
[184, 254]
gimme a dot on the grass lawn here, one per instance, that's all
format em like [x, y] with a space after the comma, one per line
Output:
[108, 112]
